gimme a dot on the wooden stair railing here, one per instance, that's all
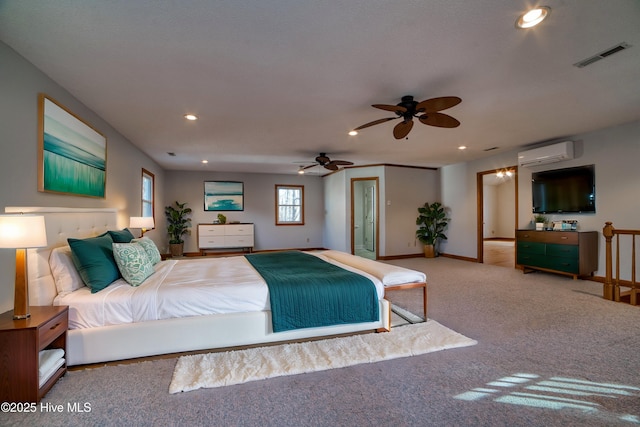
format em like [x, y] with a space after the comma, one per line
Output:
[611, 288]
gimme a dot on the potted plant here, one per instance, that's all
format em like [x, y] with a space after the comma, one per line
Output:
[540, 220]
[432, 220]
[177, 226]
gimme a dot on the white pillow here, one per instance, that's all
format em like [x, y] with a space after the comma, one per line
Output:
[64, 272]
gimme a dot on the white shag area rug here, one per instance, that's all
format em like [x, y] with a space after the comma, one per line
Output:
[235, 367]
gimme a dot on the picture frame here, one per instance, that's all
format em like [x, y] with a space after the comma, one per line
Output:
[72, 155]
[223, 196]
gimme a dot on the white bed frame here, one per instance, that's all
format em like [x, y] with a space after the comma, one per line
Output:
[119, 342]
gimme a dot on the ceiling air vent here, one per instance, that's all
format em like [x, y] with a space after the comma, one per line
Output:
[597, 57]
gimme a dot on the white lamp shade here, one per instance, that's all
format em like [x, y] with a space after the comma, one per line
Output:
[22, 231]
[145, 222]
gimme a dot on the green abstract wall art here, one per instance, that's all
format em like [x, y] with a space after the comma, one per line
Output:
[72, 155]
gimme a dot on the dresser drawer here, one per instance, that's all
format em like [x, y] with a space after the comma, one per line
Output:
[566, 251]
[562, 237]
[531, 248]
[53, 329]
[239, 230]
[568, 265]
[210, 230]
[238, 241]
[530, 236]
[211, 241]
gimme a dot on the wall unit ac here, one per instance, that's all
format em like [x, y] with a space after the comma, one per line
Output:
[549, 154]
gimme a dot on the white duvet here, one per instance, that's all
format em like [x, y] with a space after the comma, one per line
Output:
[201, 286]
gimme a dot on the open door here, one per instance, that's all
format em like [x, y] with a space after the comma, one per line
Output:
[364, 217]
[507, 207]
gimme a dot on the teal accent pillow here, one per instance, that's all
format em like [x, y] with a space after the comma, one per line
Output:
[93, 258]
[150, 248]
[133, 262]
[122, 236]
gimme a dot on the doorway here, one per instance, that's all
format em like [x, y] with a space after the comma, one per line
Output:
[364, 217]
[497, 195]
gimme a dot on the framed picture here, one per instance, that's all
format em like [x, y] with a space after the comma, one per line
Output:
[72, 155]
[223, 196]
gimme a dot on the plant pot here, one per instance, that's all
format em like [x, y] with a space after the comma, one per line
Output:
[539, 225]
[176, 249]
[429, 251]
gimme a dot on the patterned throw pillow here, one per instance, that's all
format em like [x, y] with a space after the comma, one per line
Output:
[133, 262]
[150, 247]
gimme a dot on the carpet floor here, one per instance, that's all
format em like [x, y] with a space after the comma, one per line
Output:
[550, 352]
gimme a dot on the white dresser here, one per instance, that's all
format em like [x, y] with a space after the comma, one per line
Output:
[222, 236]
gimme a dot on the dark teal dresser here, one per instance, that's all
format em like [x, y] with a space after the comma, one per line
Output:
[573, 253]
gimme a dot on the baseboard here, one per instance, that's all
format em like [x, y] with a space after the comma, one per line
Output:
[461, 258]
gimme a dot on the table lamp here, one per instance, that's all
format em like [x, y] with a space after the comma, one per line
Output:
[144, 223]
[20, 232]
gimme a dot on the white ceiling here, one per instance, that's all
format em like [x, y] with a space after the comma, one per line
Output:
[275, 82]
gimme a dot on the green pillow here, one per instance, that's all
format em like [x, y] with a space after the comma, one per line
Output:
[94, 261]
[122, 236]
[150, 247]
[133, 262]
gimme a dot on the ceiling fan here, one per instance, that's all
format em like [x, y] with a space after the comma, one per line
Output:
[426, 111]
[327, 163]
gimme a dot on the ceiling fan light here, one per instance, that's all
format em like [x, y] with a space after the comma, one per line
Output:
[353, 133]
[533, 17]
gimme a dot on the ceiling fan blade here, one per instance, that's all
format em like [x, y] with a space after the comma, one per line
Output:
[440, 120]
[437, 104]
[375, 122]
[402, 129]
[340, 163]
[310, 166]
[331, 166]
[395, 108]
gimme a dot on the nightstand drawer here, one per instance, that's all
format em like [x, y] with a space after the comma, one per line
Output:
[53, 329]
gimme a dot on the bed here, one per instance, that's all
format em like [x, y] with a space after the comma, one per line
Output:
[113, 325]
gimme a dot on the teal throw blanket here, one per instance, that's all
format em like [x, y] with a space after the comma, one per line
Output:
[306, 291]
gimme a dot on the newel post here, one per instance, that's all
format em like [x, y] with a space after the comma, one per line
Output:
[607, 289]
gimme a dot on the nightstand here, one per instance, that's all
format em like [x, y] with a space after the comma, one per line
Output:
[20, 344]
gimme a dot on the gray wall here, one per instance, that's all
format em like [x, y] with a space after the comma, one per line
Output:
[614, 151]
[20, 83]
[259, 207]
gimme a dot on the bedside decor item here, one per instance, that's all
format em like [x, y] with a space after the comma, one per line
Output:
[72, 155]
[177, 226]
[144, 223]
[222, 219]
[20, 232]
[432, 220]
[223, 196]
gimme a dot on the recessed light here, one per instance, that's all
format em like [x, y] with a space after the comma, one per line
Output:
[191, 117]
[462, 147]
[205, 161]
[533, 17]
[353, 133]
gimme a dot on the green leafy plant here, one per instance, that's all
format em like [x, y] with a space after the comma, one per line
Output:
[178, 223]
[222, 219]
[540, 218]
[432, 220]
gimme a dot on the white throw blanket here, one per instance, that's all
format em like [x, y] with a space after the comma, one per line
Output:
[235, 367]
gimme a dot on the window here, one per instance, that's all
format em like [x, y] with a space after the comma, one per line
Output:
[289, 205]
[148, 189]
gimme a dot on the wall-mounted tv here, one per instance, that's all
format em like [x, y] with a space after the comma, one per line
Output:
[569, 190]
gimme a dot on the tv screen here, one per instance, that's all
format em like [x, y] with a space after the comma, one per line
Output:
[570, 190]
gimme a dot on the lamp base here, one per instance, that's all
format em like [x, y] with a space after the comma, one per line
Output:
[21, 292]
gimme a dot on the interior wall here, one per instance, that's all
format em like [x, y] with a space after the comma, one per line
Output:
[614, 151]
[259, 207]
[20, 84]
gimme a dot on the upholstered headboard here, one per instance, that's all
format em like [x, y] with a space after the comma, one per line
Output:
[61, 224]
